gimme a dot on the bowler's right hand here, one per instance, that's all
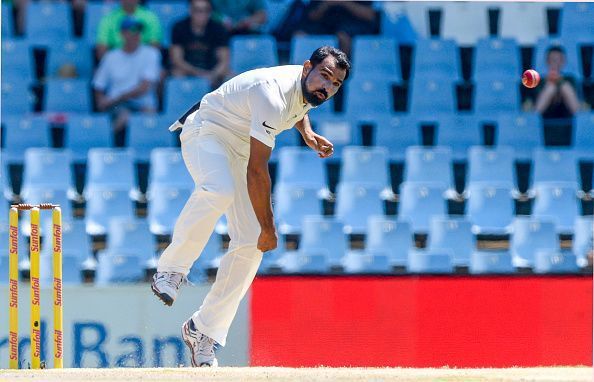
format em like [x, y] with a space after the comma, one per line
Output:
[267, 241]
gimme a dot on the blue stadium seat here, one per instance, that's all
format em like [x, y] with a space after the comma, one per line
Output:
[147, 132]
[525, 22]
[584, 136]
[583, 237]
[300, 166]
[131, 236]
[355, 202]
[368, 98]
[75, 240]
[396, 133]
[67, 96]
[359, 262]
[498, 58]
[323, 235]
[85, 131]
[48, 21]
[182, 93]
[209, 257]
[465, 22]
[71, 270]
[496, 95]
[164, 206]
[555, 261]
[432, 95]
[167, 168]
[430, 262]
[17, 60]
[529, 236]
[420, 202]
[303, 46]
[376, 56]
[453, 234]
[168, 12]
[429, 164]
[94, 13]
[252, 52]
[287, 138]
[77, 53]
[367, 165]
[572, 61]
[21, 133]
[482, 262]
[115, 268]
[104, 204]
[17, 97]
[292, 202]
[43, 194]
[522, 132]
[552, 165]
[436, 57]
[275, 14]
[491, 165]
[310, 261]
[7, 21]
[391, 237]
[557, 202]
[577, 22]
[340, 130]
[46, 167]
[459, 132]
[490, 208]
[113, 168]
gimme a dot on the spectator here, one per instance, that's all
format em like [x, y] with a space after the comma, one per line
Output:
[343, 18]
[557, 100]
[109, 36]
[126, 77]
[200, 45]
[241, 16]
[557, 97]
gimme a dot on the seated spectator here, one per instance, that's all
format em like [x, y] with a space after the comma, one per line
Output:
[109, 36]
[343, 18]
[557, 100]
[241, 16]
[557, 97]
[200, 45]
[126, 77]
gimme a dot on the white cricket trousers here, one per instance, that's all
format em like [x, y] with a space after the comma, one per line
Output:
[217, 160]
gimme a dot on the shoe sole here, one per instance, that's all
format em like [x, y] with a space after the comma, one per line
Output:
[165, 298]
[185, 334]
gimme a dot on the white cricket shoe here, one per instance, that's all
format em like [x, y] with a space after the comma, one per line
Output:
[165, 286]
[202, 347]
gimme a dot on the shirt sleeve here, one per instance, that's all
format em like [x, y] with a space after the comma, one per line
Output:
[153, 33]
[266, 106]
[153, 65]
[101, 78]
[103, 30]
[177, 34]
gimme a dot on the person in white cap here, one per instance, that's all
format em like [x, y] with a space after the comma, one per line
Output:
[227, 139]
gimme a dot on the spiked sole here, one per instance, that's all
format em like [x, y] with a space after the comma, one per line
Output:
[167, 300]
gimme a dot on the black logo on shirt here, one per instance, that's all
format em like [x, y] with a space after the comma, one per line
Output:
[266, 126]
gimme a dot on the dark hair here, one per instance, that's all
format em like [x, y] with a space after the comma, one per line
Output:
[555, 48]
[342, 61]
[208, 1]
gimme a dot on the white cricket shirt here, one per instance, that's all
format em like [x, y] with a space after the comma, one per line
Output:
[260, 103]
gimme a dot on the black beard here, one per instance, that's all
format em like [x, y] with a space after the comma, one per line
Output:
[310, 97]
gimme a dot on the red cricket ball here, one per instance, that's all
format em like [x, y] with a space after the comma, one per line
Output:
[530, 78]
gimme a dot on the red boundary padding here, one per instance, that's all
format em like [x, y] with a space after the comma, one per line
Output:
[425, 321]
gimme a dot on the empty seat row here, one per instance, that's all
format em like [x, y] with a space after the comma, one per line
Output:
[389, 244]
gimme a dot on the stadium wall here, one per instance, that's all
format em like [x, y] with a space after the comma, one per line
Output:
[120, 325]
[427, 321]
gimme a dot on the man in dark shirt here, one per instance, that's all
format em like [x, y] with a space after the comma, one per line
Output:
[200, 45]
[557, 100]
